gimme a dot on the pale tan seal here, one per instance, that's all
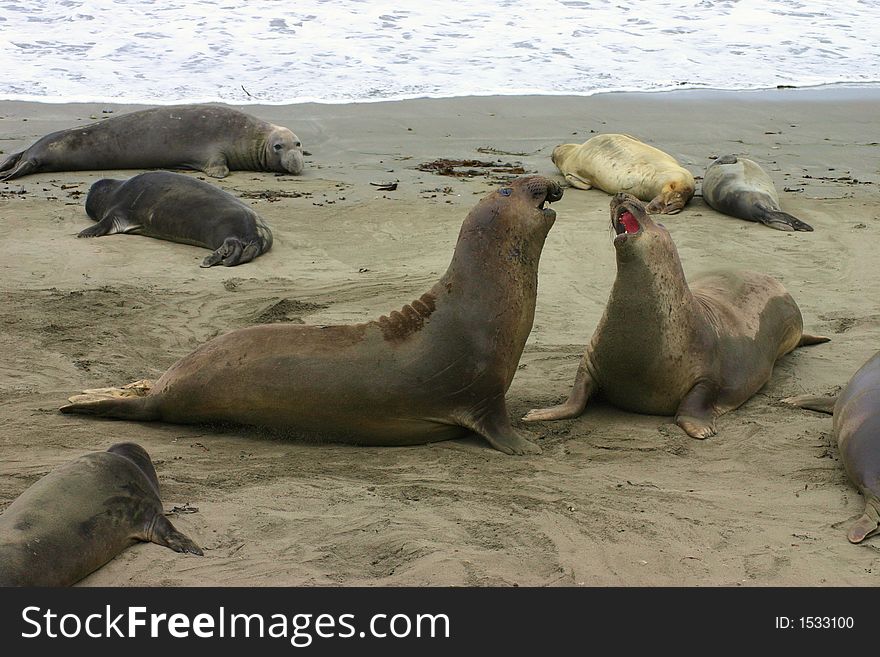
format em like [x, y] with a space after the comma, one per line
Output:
[856, 428]
[620, 163]
[668, 346]
[435, 370]
[78, 517]
[210, 138]
[739, 187]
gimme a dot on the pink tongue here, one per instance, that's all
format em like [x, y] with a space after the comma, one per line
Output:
[629, 222]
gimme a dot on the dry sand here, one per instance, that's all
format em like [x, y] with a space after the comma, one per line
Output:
[615, 499]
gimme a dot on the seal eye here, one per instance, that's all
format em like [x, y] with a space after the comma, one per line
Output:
[506, 191]
[277, 147]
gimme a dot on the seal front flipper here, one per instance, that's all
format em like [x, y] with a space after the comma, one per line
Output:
[782, 221]
[109, 225]
[571, 407]
[696, 412]
[162, 532]
[495, 427]
[578, 182]
[217, 167]
[868, 524]
[20, 166]
[813, 403]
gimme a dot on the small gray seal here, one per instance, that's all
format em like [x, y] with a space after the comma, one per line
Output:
[78, 517]
[856, 428]
[179, 208]
[437, 369]
[668, 346]
[210, 138]
[739, 187]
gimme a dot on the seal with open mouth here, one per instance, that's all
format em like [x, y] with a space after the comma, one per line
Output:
[665, 346]
[620, 163]
[435, 370]
[857, 431]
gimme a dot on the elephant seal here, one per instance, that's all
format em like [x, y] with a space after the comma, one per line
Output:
[175, 207]
[435, 370]
[665, 346]
[740, 188]
[856, 428]
[210, 138]
[620, 163]
[78, 517]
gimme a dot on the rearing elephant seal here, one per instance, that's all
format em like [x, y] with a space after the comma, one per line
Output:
[741, 188]
[620, 163]
[857, 431]
[78, 517]
[667, 347]
[437, 369]
[172, 206]
[210, 138]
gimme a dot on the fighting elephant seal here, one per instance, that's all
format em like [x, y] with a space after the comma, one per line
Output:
[435, 370]
[175, 207]
[856, 428]
[78, 517]
[665, 346]
[210, 138]
[620, 163]
[739, 187]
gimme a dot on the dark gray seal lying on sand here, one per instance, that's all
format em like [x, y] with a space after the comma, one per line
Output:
[210, 138]
[78, 517]
[175, 207]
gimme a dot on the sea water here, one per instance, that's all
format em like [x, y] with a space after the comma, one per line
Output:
[365, 50]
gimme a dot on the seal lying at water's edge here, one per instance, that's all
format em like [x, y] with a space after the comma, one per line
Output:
[739, 187]
[857, 432]
[175, 207]
[435, 370]
[620, 163]
[78, 517]
[665, 346]
[210, 138]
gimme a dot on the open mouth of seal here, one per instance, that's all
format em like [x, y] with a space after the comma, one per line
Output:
[553, 194]
[625, 223]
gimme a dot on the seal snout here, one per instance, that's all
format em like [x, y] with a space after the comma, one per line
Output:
[554, 192]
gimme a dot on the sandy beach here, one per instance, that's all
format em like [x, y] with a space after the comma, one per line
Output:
[615, 499]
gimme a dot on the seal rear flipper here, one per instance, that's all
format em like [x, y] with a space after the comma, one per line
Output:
[229, 254]
[162, 532]
[123, 408]
[813, 403]
[783, 221]
[578, 182]
[495, 427]
[20, 167]
[807, 339]
[867, 525]
[696, 412]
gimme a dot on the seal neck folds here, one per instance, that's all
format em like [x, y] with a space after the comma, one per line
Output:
[650, 287]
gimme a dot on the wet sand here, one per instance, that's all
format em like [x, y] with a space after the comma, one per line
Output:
[615, 498]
